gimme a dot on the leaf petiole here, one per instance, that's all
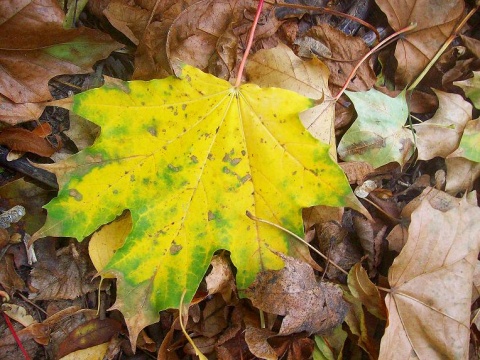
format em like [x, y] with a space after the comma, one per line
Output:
[249, 44]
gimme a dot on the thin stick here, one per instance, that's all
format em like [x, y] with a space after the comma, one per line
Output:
[367, 55]
[249, 43]
[443, 48]
[253, 217]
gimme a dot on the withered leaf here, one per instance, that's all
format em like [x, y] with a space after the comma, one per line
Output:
[19, 139]
[435, 21]
[344, 48]
[28, 61]
[431, 280]
[64, 275]
[89, 334]
[293, 292]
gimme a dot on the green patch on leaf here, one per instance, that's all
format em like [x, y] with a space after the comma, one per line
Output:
[472, 88]
[469, 147]
[163, 153]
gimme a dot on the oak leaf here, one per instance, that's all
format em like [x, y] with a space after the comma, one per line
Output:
[431, 285]
[188, 157]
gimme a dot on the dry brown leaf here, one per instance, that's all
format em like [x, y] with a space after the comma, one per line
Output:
[213, 319]
[256, 340]
[370, 236]
[439, 200]
[217, 42]
[82, 132]
[363, 289]
[151, 59]
[360, 327]
[129, 18]
[472, 44]
[435, 21]
[321, 214]
[334, 241]
[221, 279]
[356, 171]
[23, 140]
[89, 334]
[431, 285]
[293, 347]
[19, 314]
[9, 279]
[280, 67]
[344, 47]
[28, 61]
[441, 135]
[12, 114]
[461, 174]
[64, 275]
[294, 292]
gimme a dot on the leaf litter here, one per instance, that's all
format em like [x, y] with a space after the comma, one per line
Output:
[224, 324]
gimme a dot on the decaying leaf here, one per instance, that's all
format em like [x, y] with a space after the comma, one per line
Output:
[215, 42]
[363, 289]
[221, 279]
[293, 292]
[335, 242]
[256, 340]
[378, 136]
[151, 60]
[66, 274]
[23, 140]
[431, 285]
[12, 114]
[346, 51]
[28, 61]
[9, 278]
[461, 174]
[362, 328]
[91, 333]
[440, 135]
[435, 21]
[199, 154]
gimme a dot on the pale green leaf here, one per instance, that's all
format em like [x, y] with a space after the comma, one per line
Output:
[378, 136]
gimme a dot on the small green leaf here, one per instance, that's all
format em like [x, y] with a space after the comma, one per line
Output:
[378, 136]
